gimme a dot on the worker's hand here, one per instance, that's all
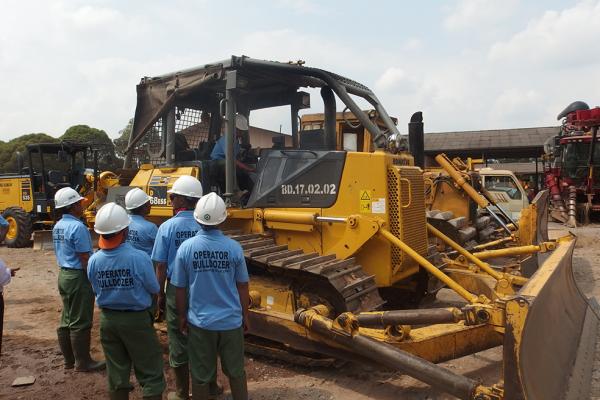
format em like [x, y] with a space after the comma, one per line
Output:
[183, 325]
[160, 307]
[13, 271]
[246, 324]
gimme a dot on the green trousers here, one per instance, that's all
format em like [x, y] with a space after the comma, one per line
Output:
[129, 338]
[178, 343]
[205, 346]
[78, 300]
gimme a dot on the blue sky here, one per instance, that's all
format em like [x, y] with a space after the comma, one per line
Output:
[467, 64]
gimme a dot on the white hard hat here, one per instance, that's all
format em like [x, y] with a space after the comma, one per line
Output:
[187, 186]
[210, 210]
[241, 122]
[135, 198]
[65, 197]
[111, 218]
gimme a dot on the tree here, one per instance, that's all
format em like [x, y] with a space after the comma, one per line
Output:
[8, 150]
[123, 140]
[140, 152]
[98, 140]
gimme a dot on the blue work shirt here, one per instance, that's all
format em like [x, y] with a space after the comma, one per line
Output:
[170, 235]
[142, 233]
[3, 222]
[209, 265]
[70, 237]
[122, 278]
[218, 152]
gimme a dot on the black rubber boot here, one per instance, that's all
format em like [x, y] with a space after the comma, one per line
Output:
[214, 390]
[80, 341]
[239, 388]
[64, 342]
[182, 383]
[122, 394]
[201, 391]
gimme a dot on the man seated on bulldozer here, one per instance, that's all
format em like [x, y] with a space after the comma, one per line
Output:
[244, 172]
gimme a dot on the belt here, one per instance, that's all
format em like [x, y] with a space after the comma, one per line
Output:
[120, 311]
[71, 269]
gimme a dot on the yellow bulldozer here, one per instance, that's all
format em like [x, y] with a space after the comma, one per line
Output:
[337, 240]
[457, 201]
[27, 197]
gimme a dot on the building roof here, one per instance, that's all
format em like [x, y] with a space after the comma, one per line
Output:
[517, 167]
[495, 143]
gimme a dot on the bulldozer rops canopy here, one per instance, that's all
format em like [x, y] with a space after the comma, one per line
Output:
[545, 324]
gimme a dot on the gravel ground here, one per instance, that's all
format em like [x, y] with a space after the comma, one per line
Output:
[33, 309]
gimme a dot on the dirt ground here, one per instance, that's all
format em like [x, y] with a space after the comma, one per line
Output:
[33, 308]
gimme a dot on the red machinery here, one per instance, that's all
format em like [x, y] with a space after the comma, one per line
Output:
[573, 176]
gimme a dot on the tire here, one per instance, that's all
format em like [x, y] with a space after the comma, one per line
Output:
[19, 231]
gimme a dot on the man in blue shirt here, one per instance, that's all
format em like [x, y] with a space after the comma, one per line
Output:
[184, 195]
[212, 301]
[124, 281]
[73, 247]
[142, 232]
[3, 228]
[243, 171]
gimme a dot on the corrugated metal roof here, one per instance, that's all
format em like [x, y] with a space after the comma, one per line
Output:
[489, 139]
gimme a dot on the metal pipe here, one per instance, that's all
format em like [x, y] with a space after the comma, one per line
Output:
[386, 354]
[493, 243]
[295, 133]
[292, 217]
[432, 269]
[332, 219]
[590, 181]
[329, 117]
[511, 251]
[170, 138]
[416, 139]
[230, 106]
[446, 164]
[383, 319]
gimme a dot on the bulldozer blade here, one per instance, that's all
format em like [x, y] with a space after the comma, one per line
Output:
[551, 332]
[42, 240]
[533, 229]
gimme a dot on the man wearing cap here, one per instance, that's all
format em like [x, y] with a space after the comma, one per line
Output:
[124, 281]
[184, 195]
[142, 232]
[73, 247]
[212, 301]
[243, 171]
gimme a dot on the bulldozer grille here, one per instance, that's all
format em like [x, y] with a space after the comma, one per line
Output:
[406, 219]
[188, 122]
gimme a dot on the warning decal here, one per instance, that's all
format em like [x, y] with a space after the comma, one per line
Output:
[365, 201]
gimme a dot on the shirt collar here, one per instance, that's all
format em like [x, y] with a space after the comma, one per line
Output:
[69, 216]
[210, 232]
[185, 213]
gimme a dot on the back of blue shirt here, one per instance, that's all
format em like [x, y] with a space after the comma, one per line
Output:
[3, 222]
[70, 237]
[210, 265]
[142, 234]
[218, 152]
[171, 234]
[122, 278]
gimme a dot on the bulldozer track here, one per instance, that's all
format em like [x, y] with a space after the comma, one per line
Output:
[353, 290]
